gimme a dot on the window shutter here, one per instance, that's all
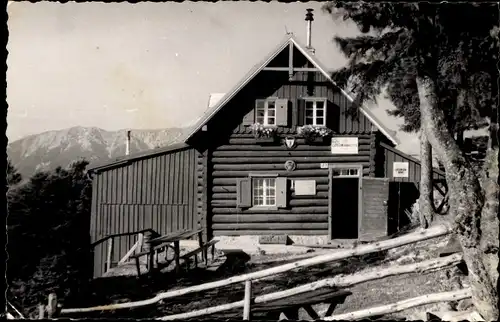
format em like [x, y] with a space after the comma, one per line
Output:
[282, 112]
[249, 118]
[244, 191]
[332, 116]
[301, 112]
[260, 104]
[281, 192]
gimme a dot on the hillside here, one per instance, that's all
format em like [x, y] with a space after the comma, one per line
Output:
[50, 149]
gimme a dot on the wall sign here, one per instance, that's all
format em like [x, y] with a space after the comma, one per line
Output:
[400, 169]
[344, 145]
[305, 187]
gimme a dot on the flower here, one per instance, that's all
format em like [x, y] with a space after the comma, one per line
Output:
[261, 130]
[313, 131]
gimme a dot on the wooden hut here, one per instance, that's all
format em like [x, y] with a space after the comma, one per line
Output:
[282, 153]
[261, 174]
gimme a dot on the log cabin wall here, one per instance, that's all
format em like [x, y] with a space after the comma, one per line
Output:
[234, 155]
[155, 191]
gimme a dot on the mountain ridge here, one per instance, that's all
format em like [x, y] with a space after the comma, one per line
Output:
[50, 149]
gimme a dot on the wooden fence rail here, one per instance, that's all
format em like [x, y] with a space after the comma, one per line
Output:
[339, 281]
[421, 235]
[403, 305]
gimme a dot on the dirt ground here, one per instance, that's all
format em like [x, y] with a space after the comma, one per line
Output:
[384, 291]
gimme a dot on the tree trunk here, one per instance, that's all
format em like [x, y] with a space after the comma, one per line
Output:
[460, 139]
[426, 200]
[466, 198]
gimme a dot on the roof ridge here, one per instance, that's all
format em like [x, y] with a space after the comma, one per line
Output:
[209, 113]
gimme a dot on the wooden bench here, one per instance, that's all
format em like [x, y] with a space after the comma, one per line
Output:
[290, 305]
[150, 252]
[204, 250]
[158, 243]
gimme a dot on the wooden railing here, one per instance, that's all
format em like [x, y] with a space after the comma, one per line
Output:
[340, 281]
[110, 240]
[99, 241]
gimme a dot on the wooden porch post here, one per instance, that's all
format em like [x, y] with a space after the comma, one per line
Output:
[147, 248]
[109, 257]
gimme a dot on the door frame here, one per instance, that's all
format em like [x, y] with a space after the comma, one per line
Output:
[332, 167]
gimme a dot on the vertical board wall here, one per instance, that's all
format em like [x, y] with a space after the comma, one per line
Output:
[157, 192]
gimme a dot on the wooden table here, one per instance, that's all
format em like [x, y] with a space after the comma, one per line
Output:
[164, 242]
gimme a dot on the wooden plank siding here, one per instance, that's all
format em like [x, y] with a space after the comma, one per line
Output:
[158, 192]
[387, 155]
[235, 154]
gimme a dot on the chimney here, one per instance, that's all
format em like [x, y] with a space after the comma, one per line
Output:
[309, 19]
[127, 143]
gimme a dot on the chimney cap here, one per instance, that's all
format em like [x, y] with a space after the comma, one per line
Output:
[309, 15]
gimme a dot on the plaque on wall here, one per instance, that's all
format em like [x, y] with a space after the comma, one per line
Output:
[400, 169]
[305, 187]
[344, 145]
[290, 165]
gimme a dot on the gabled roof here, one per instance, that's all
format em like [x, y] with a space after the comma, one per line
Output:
[222, 101]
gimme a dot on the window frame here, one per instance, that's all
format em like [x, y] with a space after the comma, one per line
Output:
[340, 172]
[265, 189]
[314, 100]
[253, 177]
[266, 102]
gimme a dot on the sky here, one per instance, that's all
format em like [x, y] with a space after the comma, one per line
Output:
[145, 65]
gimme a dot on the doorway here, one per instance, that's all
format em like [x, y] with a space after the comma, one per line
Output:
[344, 201]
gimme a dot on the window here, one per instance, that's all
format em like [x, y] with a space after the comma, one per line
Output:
[264, 191]
[266, 112]
[315, 112]
[350, 172]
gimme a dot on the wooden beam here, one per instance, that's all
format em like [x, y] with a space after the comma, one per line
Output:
[420, 235]
[247, 301]
[52, 306]
[140, 242]
[290, 61]
[286, 69]
[129, 253]
[110, 254]
[403, 305]
[312, 313]
[41, 311]
[341, 281]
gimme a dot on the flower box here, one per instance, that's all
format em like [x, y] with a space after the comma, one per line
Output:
[264, 134]
[314, 134]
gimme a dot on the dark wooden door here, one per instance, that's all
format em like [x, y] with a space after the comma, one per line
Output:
[345, 199]
[374, 218]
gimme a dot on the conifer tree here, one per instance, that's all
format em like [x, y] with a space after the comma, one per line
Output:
[48, 234]
[451, 62]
